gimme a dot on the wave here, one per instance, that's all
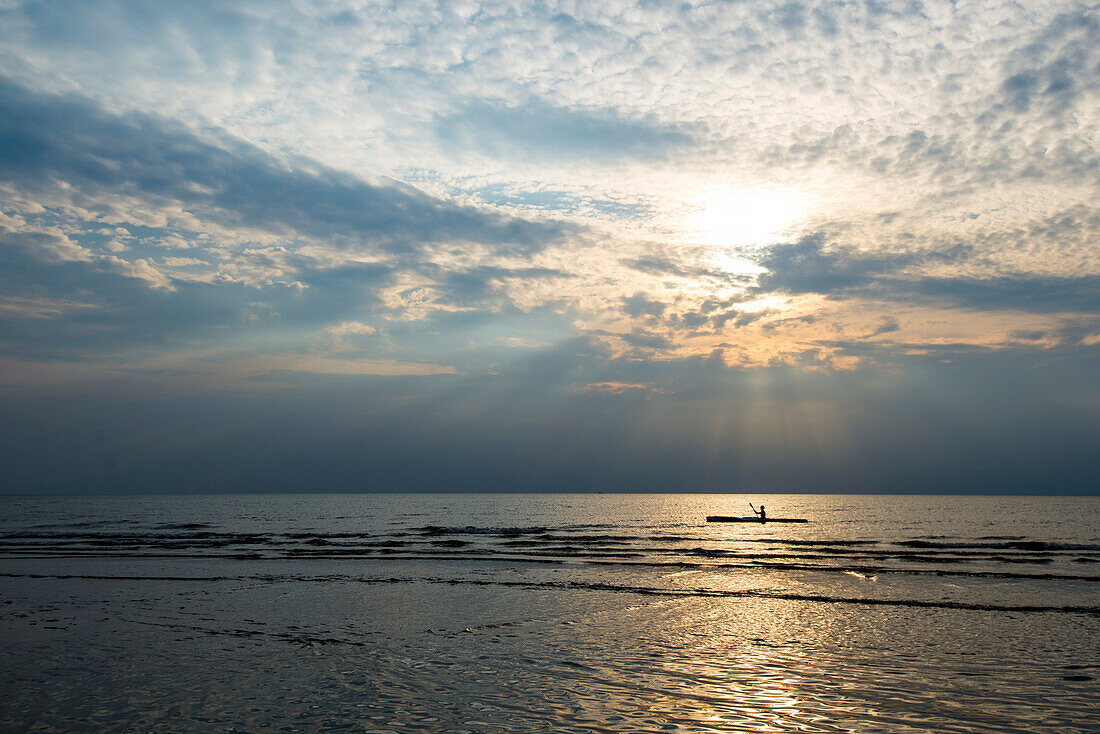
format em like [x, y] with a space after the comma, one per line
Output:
[790, 596]
[594, 544]
[582, 585]
[1016, 544]
[815, 542]
[181, 525]
[471, 530]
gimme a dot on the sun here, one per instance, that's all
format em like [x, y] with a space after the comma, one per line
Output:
[745, 218]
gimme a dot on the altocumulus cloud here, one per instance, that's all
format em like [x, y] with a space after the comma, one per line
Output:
[535, 129]
[170, 232]
[49, 140]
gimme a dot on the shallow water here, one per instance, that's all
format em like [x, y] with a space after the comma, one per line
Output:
[549, 613]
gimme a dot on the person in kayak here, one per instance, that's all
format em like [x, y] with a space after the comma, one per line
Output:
[759, 512]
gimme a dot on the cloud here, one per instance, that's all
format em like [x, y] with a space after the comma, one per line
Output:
[244, 219]
[640, 305]
[810, 266]
[1024, 293]
[1057, 67]
[887, 325]
[806, 266]
[47, 140]
[486, 286]
[39, 308]
[537, 129]
[571, 415]
[421, 233]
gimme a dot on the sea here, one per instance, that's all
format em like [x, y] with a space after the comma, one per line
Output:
[549, 613]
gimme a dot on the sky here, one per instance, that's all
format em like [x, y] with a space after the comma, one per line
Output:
[840, 246]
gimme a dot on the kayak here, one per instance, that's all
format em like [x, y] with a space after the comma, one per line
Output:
[725, 518]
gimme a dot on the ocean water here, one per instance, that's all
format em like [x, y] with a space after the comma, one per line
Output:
[563, 613]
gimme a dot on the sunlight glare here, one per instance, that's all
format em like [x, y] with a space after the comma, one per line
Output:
[745, 218]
